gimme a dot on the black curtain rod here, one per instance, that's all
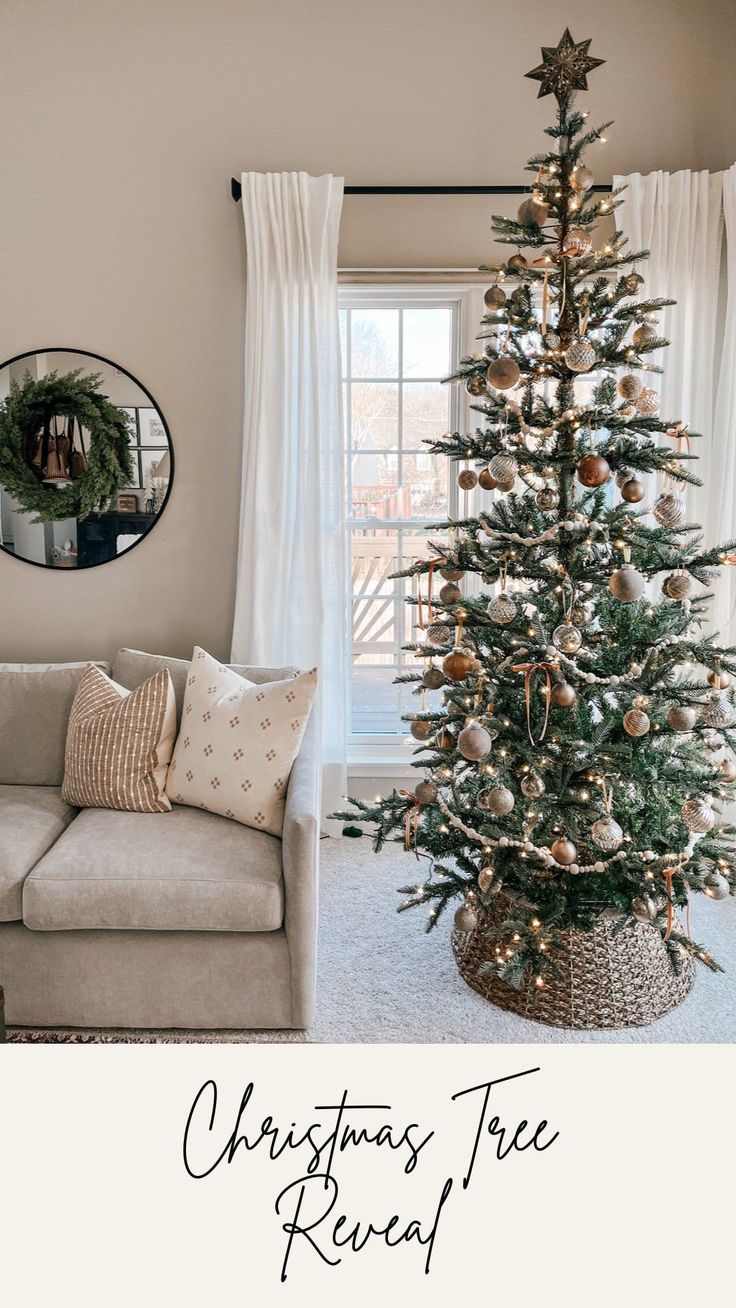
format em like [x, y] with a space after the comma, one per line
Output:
[236, 190]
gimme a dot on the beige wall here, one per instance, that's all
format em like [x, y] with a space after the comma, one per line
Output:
[124, 121]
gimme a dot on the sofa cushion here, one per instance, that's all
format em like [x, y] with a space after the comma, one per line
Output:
[238, 742]
[35, 701]
[119, 744]
[132, 666]
[179, 871]
[31, 819]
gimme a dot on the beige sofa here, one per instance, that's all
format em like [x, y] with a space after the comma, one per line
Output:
[111, 919]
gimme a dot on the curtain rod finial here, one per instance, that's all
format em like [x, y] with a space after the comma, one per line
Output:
[236, 189]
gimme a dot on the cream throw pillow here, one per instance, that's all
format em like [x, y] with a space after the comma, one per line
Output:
[237, 742]
[119, 744]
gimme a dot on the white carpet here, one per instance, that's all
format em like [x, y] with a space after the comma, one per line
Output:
[382, 979]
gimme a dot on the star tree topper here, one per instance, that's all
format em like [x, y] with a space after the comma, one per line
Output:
[564, 68]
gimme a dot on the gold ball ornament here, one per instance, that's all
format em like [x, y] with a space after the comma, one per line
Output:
[485, 480]
[644, 910]
[678, 586]
[452, 574]
[466, 920]
[606, 833]
[626, 584]
[682, 718]
[563, 695]
[433, 678]
[474, 742]
[450, 593]
[532, 213]
[593, 470]
[581, 178]
[644, 335]
[444, 739]
[548, 498]
[532, 785]
[517, 263]
[728, 771]
[497, 800]
[633, 491]
[467, 480]
[636, 722]
[501, 609]
[698, 816]
[629, 387]
[566, 638]
[458, 664]
[564, 852]
[426, 792]
[647, 402]
[494, 298]
[503, 467]
[632, 282]
[715, 886]
[476, 384]
[669, 510]
[580, 356]
[720, 680]
[438, 634]
[503, 373]
[505, 484]
[421, 730]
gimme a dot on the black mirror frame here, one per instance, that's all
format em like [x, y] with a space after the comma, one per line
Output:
[89, 354]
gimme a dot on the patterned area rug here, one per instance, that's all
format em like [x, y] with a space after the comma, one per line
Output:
[382, 978]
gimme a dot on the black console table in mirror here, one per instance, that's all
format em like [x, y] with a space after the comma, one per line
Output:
[86, 459]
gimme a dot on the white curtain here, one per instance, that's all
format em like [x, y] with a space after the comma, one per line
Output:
[290, 605]
[723, 463]
[678, 218]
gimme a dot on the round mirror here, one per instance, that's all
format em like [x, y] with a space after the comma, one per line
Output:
[86, 460]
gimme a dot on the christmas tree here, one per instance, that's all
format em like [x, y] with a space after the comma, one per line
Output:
[576, 737]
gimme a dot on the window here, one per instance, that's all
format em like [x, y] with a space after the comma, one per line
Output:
[149, 448]
[395, 352]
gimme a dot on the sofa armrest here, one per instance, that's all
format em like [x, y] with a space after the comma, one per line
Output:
[300, 858]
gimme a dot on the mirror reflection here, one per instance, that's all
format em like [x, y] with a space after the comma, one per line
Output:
[86, 460]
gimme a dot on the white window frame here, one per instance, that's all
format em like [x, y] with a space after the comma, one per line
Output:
[390, 755]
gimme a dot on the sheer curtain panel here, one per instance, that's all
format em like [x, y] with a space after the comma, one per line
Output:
[678, 217]
[290, 603]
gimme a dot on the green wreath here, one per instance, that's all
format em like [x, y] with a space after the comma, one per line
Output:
[29, 426]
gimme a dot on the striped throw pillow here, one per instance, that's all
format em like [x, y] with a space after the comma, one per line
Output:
[119, 744]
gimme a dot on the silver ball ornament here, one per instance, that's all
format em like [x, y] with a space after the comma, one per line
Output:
[715, 886]
[466, 919]
[503, 467]
[474, 742]
[716, 712]
[626, 584]
[580, 356]
[567, 638]
[502, 609]
[606, 833]
[532, 785]
[644, 910]
[669, 510]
